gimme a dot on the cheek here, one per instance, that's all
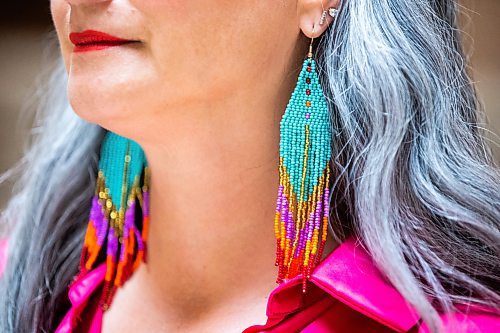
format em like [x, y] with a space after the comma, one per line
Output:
[212, 47]
[182, 43]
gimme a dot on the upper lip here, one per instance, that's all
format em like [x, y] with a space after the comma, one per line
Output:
[94, 37]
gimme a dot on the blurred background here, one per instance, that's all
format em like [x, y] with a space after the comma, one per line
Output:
[23, 36]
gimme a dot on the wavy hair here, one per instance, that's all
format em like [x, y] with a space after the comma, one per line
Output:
[415, 180]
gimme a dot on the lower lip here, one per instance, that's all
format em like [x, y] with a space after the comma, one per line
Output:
[99, 46]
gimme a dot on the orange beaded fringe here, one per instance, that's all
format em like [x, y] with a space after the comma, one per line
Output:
[116, 235]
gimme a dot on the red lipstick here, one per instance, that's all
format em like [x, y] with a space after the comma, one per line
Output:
[91, 40]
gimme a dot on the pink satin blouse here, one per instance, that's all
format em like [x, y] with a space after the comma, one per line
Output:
[347, 294]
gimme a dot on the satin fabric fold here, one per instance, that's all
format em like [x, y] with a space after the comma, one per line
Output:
[346, 294]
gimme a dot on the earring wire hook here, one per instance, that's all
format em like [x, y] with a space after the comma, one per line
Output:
[309, 55]
[314, 26]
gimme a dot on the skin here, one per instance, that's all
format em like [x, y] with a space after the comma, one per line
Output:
[202, 91]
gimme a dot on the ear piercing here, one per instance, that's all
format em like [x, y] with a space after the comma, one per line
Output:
[332, 11]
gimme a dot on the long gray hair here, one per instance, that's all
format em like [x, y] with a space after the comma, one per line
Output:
[415, 180]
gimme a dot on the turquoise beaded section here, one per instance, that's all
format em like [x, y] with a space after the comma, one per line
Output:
[111, 163]
[307, 106]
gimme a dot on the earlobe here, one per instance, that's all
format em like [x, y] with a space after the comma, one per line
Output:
[311, 13]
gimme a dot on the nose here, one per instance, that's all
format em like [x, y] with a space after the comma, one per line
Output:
[85, 2]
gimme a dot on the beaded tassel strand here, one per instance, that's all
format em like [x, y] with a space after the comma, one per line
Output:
[113, 232]
[302, 207]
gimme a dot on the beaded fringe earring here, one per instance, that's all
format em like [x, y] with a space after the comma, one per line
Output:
[302, 208]
[118, 228]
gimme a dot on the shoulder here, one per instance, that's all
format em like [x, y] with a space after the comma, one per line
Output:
[3, 254]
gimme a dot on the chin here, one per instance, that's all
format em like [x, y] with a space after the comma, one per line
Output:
[105, 100]
[103, 110]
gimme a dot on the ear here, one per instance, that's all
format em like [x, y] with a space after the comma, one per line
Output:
[309, 15]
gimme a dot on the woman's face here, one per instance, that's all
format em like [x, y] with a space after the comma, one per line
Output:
[186, 53]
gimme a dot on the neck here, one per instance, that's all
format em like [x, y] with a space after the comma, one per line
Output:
[214, 185]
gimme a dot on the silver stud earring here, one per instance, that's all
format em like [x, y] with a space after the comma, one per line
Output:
[333, 11]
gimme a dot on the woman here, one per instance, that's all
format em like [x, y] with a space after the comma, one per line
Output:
[400, 170]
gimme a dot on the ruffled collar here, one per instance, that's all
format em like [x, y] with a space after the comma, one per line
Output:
[347, 274]
[80, 293]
